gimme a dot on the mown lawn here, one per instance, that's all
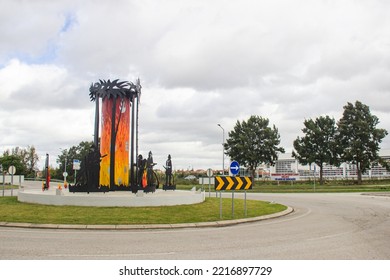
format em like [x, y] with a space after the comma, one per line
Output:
[13, 211]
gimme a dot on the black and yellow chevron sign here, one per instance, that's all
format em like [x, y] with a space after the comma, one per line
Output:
[230, 183]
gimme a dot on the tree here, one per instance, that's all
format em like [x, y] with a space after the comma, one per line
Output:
[252, 142]
[25, 160]
[359, 137]
[31, 161]
[7, 160]
[74, 152]
[319, 144]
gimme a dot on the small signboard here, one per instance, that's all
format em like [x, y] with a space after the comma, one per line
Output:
[12, 170]
[76, 164]
[231, 183]
[284, 176]
[234, 167]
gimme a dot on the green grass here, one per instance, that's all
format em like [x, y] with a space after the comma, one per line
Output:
[329, 186]
[13, 211]
[299, 187]
[8, 187]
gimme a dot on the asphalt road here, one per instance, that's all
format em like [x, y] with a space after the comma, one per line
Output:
[323, 226]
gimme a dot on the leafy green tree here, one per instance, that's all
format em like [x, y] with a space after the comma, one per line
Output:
[31, 161]
[8, 159]
[319, 143]
[253, 142]
[24, 159]
[359, 137]
[68, 155]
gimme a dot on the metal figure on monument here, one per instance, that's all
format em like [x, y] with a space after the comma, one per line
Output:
[46, 184]
[169, 182]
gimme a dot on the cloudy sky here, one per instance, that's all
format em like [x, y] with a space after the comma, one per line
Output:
[201, 63]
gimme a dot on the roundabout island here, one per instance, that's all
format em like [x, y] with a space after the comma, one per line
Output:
[111, 199]
[113, 174]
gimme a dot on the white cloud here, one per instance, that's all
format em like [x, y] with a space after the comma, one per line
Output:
[200, 62]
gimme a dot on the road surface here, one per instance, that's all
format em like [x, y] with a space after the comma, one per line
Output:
[322, 227]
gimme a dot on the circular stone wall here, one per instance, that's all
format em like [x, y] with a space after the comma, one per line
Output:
[112, 199]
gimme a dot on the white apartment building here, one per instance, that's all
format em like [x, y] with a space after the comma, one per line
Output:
[287, 166]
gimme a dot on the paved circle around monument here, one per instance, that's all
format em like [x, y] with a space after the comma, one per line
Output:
[112, 199]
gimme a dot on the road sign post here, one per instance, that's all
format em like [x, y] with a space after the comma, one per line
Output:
[232, 183]
[234, 167]
[76, 166]
[12, 171]
[233, 204]
[3, 171]
[209, 174]
[220, 205]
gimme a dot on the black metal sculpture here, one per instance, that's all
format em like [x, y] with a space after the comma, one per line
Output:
[118, 92]
[169, 184]
[46, 184]
[87, 179]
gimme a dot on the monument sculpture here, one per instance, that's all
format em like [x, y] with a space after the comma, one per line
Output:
[169, 184]
[107, 166]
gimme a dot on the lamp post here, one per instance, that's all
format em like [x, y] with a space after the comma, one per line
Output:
[223, 149]
[65, 174]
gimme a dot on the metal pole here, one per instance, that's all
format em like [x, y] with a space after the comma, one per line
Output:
[3, 182]
[96, 135]
[314, 178]
[233, 204]
[220, 205]
[136, 142]
[112, 144]
[12, 184]
[66, 155]
[223, 149]
[138, 96]
[132, 183]
[245, 204]
[209, 186]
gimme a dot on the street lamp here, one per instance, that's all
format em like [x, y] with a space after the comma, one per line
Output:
[65, 174]
[223, 149]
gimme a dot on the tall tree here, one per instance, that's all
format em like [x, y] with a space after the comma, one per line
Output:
[253, 142]
[7, 160]
[31, 160]
[25, 159]
[359, 137]
[319, 144]
[74, 152]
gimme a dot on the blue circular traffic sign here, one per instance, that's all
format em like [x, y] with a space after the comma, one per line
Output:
[234, 167]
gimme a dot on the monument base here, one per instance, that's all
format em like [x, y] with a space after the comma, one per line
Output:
[169, 187]
[112, 199]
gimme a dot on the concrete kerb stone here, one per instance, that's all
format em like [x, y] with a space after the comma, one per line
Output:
[132, 227]
[44, 226]
[222, 223]
[66, 226]
[20, 225]
[103, 227]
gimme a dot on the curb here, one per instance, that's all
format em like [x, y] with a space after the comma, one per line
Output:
[225, 223]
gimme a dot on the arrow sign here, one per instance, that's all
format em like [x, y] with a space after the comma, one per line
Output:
[234, 167]
[231, 183]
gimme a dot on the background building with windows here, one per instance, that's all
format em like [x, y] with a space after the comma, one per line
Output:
[287, 165]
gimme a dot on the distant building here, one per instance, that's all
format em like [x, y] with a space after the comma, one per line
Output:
[288, 167]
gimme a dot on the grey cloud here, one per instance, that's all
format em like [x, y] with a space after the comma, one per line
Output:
[200, 63]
